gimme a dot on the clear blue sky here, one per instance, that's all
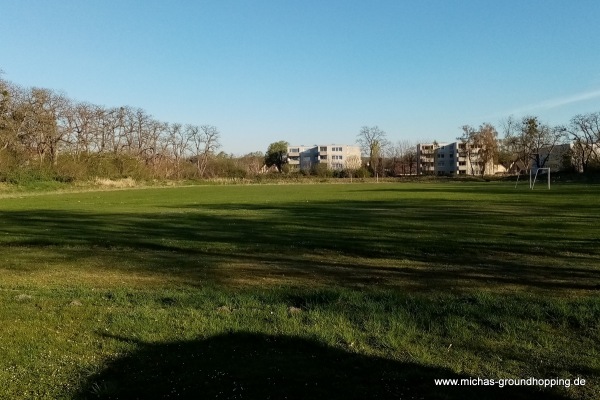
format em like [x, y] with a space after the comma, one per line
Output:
[312, 71]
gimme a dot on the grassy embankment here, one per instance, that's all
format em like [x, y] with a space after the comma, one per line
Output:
[362, 290]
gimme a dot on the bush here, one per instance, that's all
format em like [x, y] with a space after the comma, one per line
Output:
[322, 171]
[362, 172]
[27, 174]
[113, 166]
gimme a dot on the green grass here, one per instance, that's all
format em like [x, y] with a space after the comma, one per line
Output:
[304, 291]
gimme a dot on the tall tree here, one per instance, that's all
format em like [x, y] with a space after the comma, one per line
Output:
[372, 142]
[467, 148]
[277, 154]
[410, 159]
[178, 143]
[584, 131]
[531, 141]
[45, 123]
[6, 137]
[480, 146]
[205, 140]
[80, 123]
[404, 157]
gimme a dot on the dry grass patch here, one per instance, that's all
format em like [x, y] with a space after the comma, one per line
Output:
[116, 183]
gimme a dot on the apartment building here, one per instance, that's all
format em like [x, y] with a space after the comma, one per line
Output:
[451, 159]
[559, 157]
[426, 158]
[335, 156]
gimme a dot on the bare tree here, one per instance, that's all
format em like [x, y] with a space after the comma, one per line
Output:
[9, 122]
[81, 125]
[141, 133]
[178, 142]
[252, 162]
[352, 164]
[44, 123]
[205, 140]
[404, 157]
[531, 141]
[154, 143]
[584, 131]
[372, 141]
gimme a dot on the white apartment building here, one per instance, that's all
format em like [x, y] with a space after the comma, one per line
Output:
[426, 157]
[450, 159]
[335, 156]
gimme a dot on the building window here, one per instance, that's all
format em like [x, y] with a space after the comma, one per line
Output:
[323, 157]
[294, 150]
[323, 148]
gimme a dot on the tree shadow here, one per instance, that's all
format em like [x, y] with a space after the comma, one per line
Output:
[398, 243]
[258, 366]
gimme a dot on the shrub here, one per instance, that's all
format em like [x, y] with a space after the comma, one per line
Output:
[322, 171]
[362, 172]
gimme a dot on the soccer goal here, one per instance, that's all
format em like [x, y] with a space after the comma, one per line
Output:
[533, 178]
[532, 185]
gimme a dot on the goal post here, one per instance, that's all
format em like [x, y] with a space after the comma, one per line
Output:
[536, 175]
[525, 174]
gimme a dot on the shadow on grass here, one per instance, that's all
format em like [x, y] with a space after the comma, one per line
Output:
[257, 366]
[393, 243]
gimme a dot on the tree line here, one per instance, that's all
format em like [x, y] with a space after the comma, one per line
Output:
[44, 130]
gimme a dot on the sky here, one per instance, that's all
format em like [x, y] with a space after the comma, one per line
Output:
[313, 72]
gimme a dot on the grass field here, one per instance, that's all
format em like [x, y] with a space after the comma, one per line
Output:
[300, 291]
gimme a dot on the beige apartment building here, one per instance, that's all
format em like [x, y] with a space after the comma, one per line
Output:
[335, 156]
